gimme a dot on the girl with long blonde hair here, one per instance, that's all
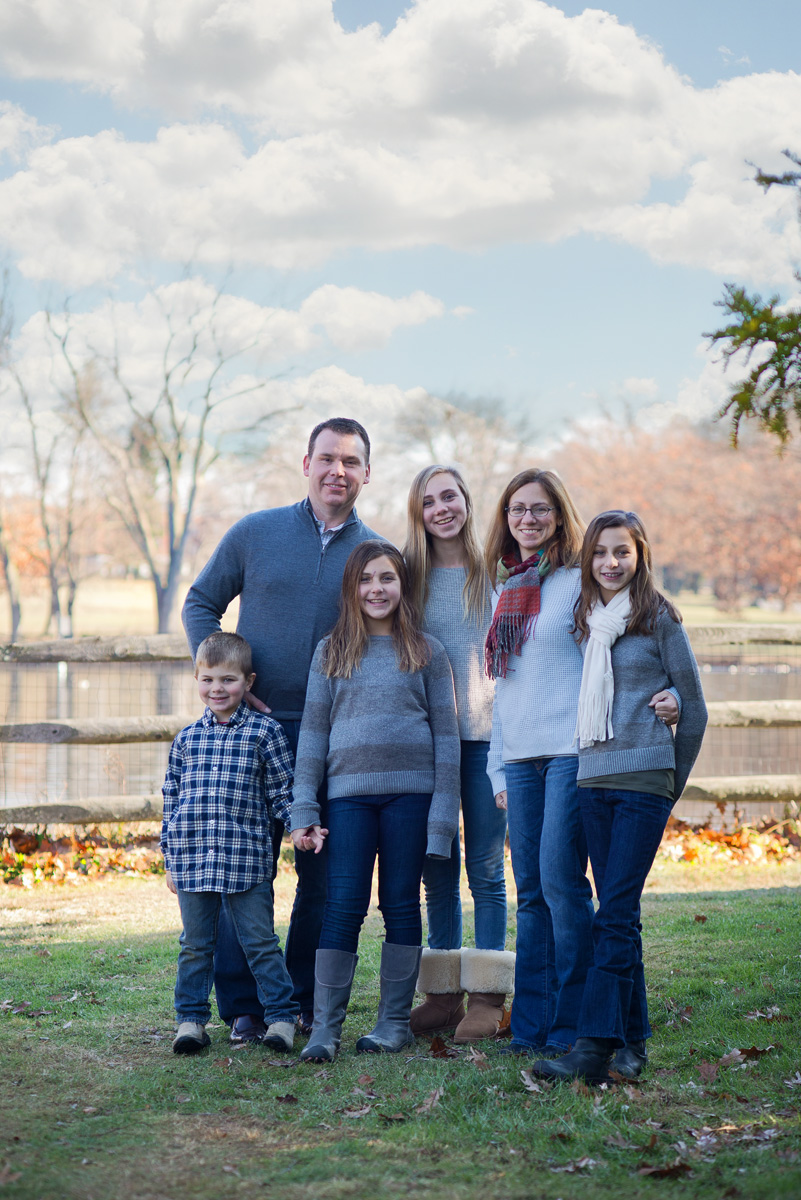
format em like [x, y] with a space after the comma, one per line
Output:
[452, 592]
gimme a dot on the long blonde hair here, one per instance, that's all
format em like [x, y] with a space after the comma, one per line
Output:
[349, 639]
[564, 549]
[417, 551]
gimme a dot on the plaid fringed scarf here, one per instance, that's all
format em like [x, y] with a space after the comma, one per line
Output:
[517, 610]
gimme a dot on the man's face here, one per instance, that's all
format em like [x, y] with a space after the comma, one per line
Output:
[337, 471]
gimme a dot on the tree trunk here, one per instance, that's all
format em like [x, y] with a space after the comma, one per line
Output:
[9, 576]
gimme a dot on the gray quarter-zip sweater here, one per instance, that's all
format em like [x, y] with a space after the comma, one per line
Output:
[288, 586]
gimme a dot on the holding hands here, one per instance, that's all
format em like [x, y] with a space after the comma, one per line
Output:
[312, 838]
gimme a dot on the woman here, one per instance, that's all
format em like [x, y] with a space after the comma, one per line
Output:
[532, 553]
[532, 550]
[452, 593]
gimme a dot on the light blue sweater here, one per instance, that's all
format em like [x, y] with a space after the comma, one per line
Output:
[534, 714]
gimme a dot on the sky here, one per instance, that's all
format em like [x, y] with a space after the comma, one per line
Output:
[502, 200]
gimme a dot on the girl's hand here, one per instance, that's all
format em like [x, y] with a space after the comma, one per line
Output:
[312, 838]
[500, 800]
[666, 707]
[170, 884]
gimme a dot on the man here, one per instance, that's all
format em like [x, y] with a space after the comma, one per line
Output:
[285, 565]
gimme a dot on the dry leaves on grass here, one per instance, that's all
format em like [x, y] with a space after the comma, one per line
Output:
[672, 1170]
[579, 1164]
[794, 1082]
[431, 1101]
[762, 842]
[441, 1049]
[773, 1013]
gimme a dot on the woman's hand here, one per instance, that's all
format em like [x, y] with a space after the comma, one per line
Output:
[312, 838]
[254, 702]
[170, 884]
[500, 800]
[666, 707]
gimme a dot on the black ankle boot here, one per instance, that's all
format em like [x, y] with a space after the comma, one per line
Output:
[630, 1059]
[588, 1060]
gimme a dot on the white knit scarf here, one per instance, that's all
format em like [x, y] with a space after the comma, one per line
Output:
[606, 624]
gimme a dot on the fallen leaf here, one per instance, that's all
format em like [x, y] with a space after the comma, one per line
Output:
[756, 1052]
[669, 1171]
[287, 1099]
[224, 1063]
[440, 1049]
[580, 1088]
[231, 1171]
[771, 1014]
[580, 1164]
[392, 1116]
[561, 1136]
[7, 1175]
[534, 1085]
[43, 953]
[699, 918]
[356, 1113]
[431, 1101]
[478, 1058]
[794, 1082]
[365, 1080]
[617, 1139]
[731, 1059]
[708, 1071]
[90, 1109]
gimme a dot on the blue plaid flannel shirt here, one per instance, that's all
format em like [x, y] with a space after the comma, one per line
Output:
[225, 785]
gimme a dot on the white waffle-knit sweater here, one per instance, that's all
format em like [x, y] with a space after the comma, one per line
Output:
[534, 713]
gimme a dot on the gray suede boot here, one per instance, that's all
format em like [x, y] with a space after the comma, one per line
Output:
[333, 979]
[391, 1032]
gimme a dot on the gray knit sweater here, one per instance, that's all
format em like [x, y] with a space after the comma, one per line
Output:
[644, 664]
[382, 731]
[288, 586]
[463, 639]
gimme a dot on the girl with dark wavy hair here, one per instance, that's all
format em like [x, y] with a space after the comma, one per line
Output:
[631, 770]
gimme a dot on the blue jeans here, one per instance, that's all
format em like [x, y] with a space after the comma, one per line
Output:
[484, 837]
[252, 916]
[234, 985]
[554, 899]
[623, 830]
[360, 827]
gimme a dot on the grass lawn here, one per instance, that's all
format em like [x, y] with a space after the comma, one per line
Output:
[94, 1104]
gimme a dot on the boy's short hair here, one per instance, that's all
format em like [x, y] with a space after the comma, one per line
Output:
[230, 649]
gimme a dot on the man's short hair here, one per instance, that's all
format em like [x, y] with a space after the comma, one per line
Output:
[341, 425]
[227, 649]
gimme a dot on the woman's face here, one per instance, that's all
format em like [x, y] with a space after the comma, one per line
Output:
[532, 530]
[444, 508]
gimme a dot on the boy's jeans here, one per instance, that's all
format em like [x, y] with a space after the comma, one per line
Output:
[252, 916]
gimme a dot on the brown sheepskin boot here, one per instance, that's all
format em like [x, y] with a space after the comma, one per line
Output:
[488, 977]
[440, 981]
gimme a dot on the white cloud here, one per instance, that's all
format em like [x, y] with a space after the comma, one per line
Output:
[647, 388]
[19, 132]
[472, 122]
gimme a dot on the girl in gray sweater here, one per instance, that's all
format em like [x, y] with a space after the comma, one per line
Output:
[380, 726]
[631, 771]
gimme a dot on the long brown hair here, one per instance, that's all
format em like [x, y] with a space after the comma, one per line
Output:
[417, 550]
[647, 602]
[564, 548]
[349, 638]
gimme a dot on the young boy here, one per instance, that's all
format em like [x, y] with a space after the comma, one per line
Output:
[229, 776]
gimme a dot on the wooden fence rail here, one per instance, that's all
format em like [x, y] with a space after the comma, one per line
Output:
[730, 714]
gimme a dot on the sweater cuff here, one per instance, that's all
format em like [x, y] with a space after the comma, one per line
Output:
[497, 780]
[304, 814]
[439, 846]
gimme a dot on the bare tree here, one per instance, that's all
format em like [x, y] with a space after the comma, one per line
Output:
[159, 442]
